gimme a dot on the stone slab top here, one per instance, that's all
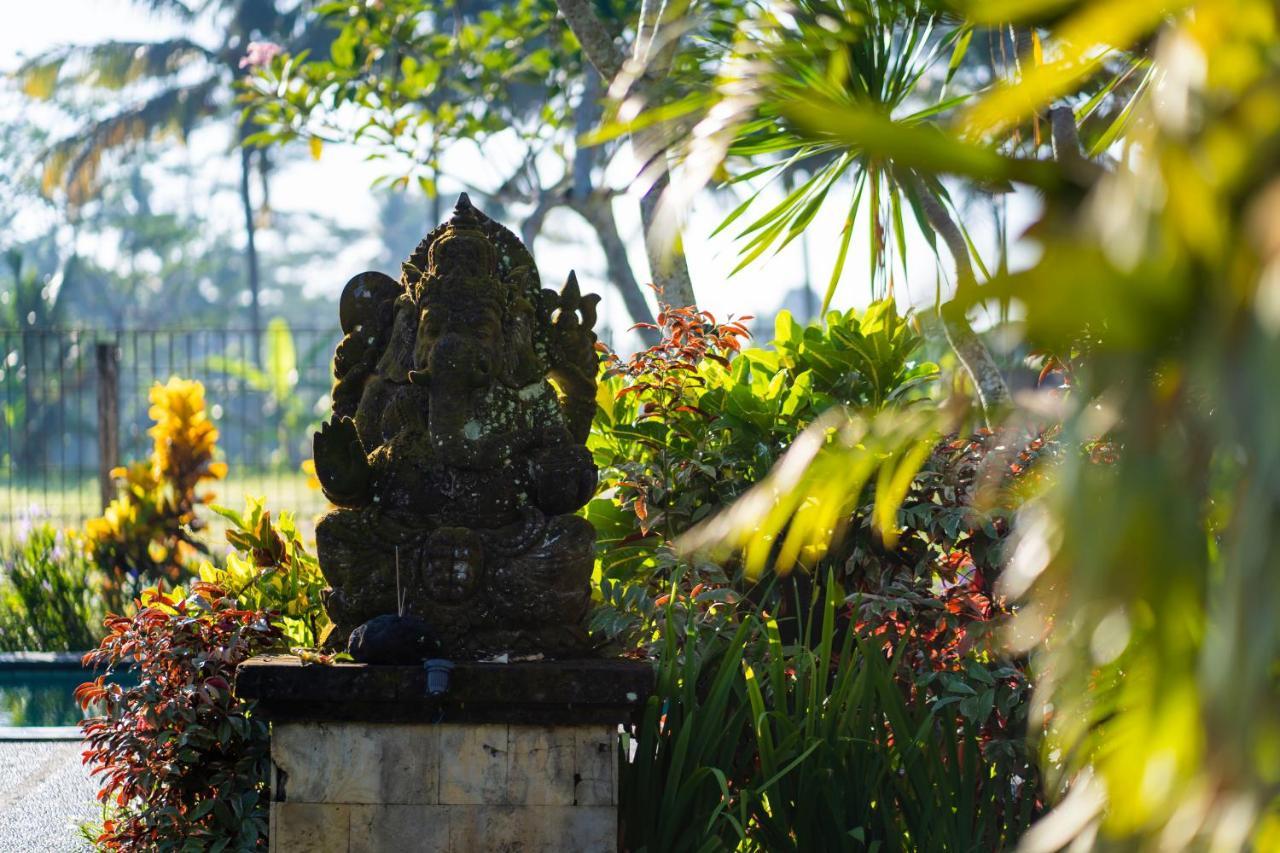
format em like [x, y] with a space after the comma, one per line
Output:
[561, 692]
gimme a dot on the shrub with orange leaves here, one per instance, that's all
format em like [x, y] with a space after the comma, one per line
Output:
[666, 384]
[182, 761]
[146, 534]
[932, 601]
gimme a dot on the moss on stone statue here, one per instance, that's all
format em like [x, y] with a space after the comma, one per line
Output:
[454, 464]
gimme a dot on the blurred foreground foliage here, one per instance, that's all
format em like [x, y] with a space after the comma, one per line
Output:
[1147, 588]
[1154, 583]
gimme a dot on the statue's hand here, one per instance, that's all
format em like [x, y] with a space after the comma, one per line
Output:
[565, 478]
[574, 361]
[341, 465]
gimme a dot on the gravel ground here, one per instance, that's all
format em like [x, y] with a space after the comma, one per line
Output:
[45, 793]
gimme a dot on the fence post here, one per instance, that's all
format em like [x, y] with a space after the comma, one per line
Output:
[108, 357]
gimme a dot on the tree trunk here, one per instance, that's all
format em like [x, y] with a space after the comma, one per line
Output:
[596, 40]
[548, 200]
[598, 212]
[264, 182]
[584, 119]
[667, 261]
[988, 381]
[251, 254]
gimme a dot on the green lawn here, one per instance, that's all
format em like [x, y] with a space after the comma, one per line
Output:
[70, 503]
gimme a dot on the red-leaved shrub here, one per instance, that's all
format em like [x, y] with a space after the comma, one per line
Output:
[183, 762]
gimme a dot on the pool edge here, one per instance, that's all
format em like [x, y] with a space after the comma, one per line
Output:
[13, 734]
[42, 660]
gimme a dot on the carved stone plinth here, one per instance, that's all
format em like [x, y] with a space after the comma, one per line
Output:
[516, 757]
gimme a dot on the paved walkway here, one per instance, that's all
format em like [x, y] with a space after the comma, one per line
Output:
[45, 794]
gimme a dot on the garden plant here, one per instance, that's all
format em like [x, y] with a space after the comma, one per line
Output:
[148, 532]
[1140, 560]
[993, 567]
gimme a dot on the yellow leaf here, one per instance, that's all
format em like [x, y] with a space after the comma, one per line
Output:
[309, 468]
[1080, 45]
[892, 485]
[41, 82]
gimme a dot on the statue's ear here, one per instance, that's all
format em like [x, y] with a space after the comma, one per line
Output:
[364, 298]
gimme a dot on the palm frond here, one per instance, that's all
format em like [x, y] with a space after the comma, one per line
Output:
[792, 516]
[72, 164]
[176, 8]
[851, 97]
[111, 65]
[38, 77]
[771, 100]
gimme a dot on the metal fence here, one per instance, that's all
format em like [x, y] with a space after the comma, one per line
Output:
[56, 395]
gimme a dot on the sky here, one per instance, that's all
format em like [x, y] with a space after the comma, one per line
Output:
[338, 185]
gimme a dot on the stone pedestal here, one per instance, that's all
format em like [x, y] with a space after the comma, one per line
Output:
[516, 757]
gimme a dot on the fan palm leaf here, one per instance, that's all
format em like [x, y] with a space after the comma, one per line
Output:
[869, 56]
[852, 95]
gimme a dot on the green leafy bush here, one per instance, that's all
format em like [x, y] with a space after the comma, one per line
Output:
[50, 594]
[752, 744]
[687, 426]
[270, 569]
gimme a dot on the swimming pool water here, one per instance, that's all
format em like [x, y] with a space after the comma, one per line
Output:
[42, 697]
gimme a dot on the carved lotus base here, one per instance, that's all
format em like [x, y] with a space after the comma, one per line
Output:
[520, 589]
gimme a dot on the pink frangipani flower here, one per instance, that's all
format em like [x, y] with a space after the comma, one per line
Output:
[260, 53]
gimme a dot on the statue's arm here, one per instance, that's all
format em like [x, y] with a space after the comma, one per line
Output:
[574, 361]
[341, 464]
[564, 477]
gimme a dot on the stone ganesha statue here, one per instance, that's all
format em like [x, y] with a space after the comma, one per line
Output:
[453, 461]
